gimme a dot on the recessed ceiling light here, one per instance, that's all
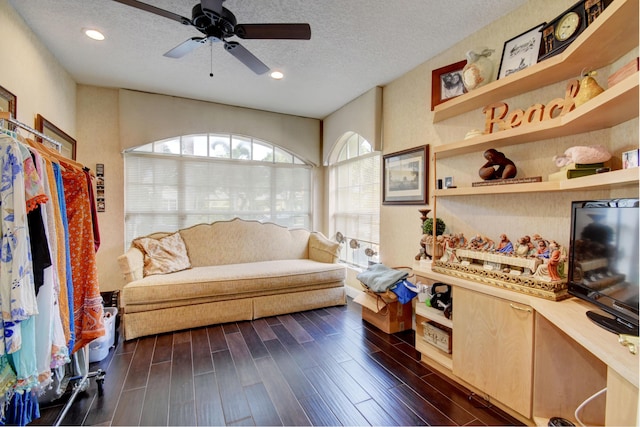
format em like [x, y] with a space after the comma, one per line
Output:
[277, 75]
[93, 34]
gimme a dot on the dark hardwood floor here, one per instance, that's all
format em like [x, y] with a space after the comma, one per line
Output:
[320, 367]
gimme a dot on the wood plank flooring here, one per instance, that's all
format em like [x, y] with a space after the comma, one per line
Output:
[320, 367]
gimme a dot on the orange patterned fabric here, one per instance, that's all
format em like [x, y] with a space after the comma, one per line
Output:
[87, 302]
[61, 262]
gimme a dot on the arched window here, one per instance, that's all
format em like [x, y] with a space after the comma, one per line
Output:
[182, 181]
[354, 175]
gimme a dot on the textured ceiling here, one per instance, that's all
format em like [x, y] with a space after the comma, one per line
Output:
[355, 45]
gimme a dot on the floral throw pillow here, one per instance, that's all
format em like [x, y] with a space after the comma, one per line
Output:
[165, 255]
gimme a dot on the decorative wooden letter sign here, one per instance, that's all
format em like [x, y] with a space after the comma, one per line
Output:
[496, 114]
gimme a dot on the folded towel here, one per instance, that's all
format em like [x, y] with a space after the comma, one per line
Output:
[379, 277]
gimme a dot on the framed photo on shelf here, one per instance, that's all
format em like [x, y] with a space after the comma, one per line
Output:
[630, 159]
[405, 177]
[448, 181]
[8, 102]
[68, 148]
[446, 83]
[521, 51]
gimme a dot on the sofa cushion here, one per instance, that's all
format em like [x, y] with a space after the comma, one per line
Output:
[323, 250]
[232, 280]
[165, 255]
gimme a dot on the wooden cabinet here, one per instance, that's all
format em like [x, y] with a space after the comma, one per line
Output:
[493, 347]
[493, 354]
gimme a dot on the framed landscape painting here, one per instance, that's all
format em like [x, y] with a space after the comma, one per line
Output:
[405, 177]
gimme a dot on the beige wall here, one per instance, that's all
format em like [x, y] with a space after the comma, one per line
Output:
[99, 142]
[48, 90]
[363, 115]
[146, 117]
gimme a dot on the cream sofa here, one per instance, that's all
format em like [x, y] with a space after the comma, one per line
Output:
[239, 270]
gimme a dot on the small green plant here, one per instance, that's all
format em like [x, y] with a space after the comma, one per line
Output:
[427, 226]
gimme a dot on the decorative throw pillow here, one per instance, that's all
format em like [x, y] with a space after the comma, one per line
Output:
[165, 255]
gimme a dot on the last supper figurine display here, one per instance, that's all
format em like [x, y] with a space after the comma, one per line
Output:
[532, 265]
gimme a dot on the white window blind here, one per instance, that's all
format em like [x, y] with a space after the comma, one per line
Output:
[355, 200]
[166, 192]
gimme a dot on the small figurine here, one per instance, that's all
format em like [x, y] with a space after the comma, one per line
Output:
[488, 244]
[450, 244]
[543, 250]
[504, 245]
[497, 166]
[475, 243]
[524, 246]
[552, 269]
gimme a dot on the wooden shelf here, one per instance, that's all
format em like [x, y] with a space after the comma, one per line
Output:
[612, 107]
[427, 350]
[613, 179]
[433, 314]
[430, 352]
[611, 35]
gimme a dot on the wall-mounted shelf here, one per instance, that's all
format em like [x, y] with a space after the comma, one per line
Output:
[612, 107]
[612, 35]
[613, 179]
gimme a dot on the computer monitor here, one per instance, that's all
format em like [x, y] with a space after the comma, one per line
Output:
[603, 261]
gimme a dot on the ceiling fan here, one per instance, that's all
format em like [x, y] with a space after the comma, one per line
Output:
[218, 24]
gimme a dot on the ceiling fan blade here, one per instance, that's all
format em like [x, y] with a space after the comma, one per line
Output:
[185, 47]
[273, 31]
[149, 8]
[246, 57]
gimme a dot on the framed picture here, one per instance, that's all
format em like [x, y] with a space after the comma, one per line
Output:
[630, 159]
[448, 181]
[8, 102]
[405, 177]
[68, 148]
[446, 83]
[521, 51]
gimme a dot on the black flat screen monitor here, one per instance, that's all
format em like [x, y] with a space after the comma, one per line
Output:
[603, 261]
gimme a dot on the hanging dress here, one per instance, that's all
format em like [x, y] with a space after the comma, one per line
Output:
[87, 307]
[17, 293]
[66, 304]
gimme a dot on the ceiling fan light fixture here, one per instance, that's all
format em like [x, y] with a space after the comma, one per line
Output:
[93, 34]
[277, 75]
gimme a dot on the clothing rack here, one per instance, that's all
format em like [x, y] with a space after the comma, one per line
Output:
[80, 362]
[4, 115]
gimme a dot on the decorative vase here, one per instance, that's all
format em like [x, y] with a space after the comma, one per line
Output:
[479, 69]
